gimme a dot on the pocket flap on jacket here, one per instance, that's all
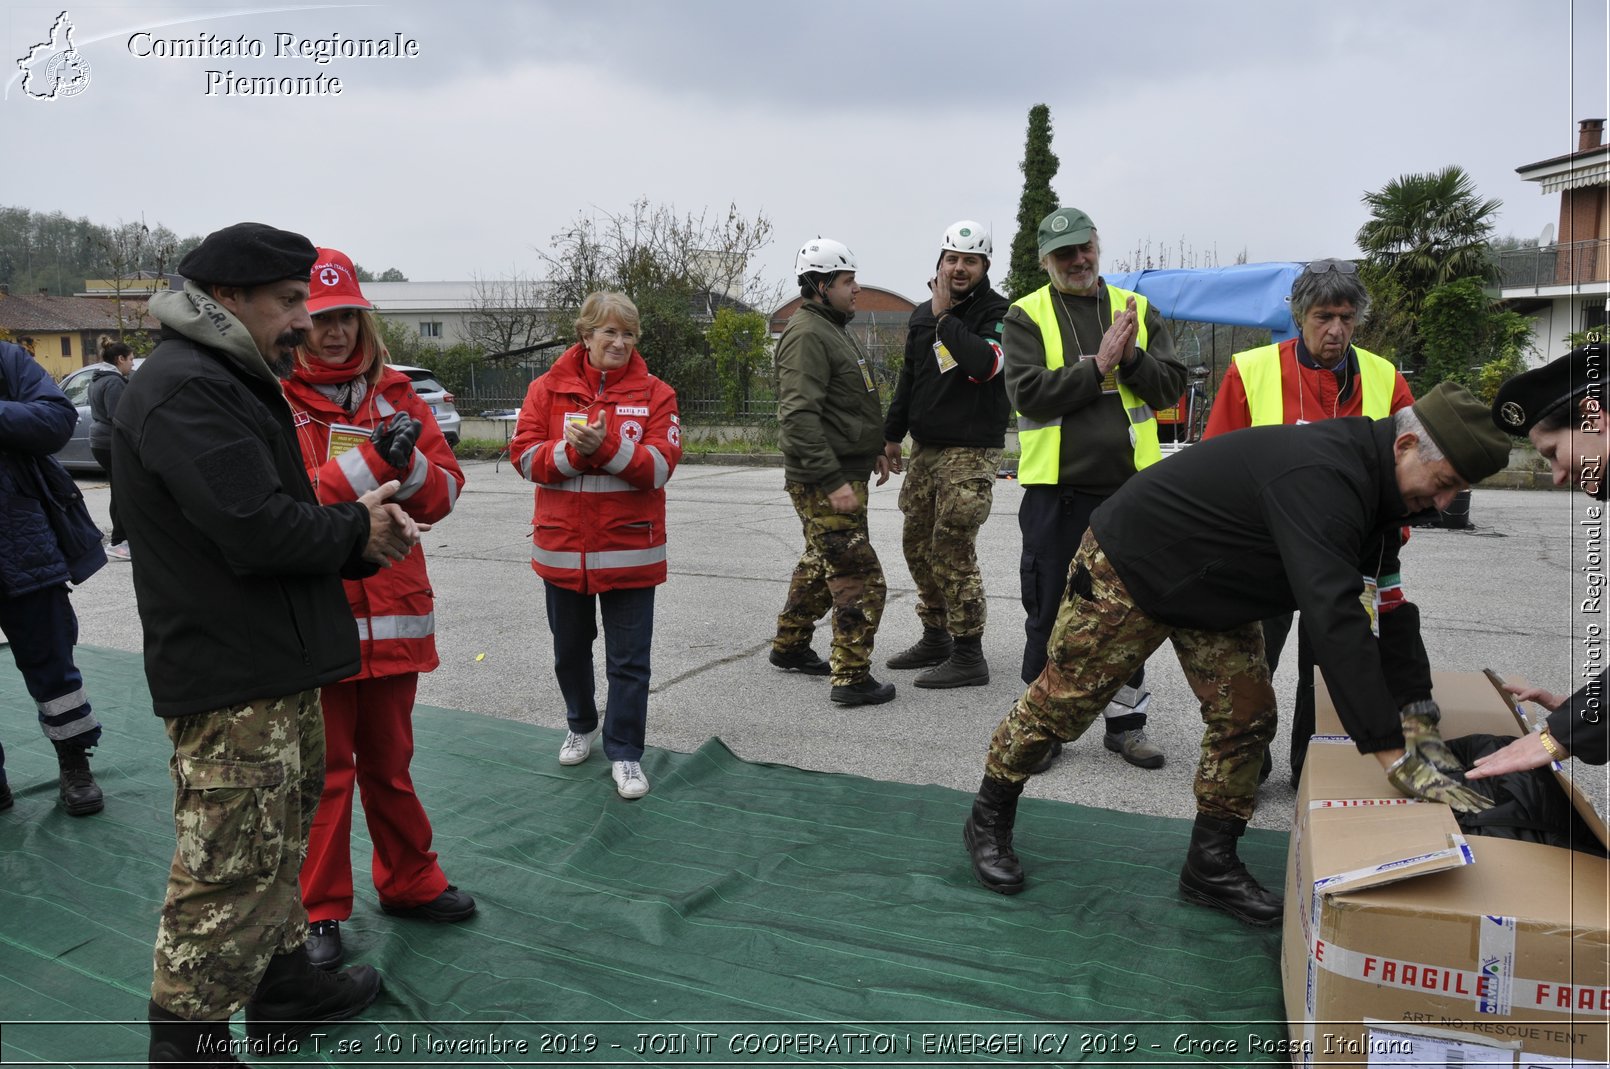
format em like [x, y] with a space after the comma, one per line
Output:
[205, 774]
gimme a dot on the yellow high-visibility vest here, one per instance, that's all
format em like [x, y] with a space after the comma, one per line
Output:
[1041, 443]
[1260, 377]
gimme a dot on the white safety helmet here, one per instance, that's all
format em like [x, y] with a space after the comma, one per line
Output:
[823, 256]
[968, 236]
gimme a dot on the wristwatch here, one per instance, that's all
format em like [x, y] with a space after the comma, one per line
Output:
[1552, 745]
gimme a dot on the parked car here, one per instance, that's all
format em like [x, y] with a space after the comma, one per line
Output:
[75, 455]
[433, 393]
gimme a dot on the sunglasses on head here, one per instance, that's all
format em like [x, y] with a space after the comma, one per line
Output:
[1341, 267]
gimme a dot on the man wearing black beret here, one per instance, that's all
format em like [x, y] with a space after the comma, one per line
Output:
[1561, 408]
[237, 575]
[1196, 552]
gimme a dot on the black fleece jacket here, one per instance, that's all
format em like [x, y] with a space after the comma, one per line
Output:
[965, 405]
[237, 567]
[1265, 521]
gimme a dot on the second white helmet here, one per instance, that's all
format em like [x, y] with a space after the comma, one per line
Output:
[823, 256]
[968, 236]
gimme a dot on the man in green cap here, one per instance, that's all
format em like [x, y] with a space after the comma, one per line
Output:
[1086, 365]
[1198, 551]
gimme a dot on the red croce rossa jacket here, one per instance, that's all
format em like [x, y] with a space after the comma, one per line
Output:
[599, 522]
[394, 608]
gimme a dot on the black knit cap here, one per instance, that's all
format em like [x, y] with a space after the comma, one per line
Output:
[1462, 428]
[249, 254]
[1526, 399]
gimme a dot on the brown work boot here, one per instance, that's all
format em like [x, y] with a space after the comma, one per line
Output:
[933, 648]
[965, 668]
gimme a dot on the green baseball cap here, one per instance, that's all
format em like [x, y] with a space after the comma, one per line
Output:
[1064, 227]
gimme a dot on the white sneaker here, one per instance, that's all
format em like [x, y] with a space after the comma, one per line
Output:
[629, 779]
[577, 747]
[120, 551]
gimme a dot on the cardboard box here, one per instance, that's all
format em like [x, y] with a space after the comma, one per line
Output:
[1407, 943]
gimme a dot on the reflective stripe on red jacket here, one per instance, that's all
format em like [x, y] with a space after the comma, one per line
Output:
[599, 521]
[395, 608]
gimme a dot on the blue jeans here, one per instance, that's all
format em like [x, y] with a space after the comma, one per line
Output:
[628, 636]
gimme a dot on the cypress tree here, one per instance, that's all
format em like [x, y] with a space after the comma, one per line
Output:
[1039, 166]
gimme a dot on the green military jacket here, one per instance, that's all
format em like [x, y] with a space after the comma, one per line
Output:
[830, 422]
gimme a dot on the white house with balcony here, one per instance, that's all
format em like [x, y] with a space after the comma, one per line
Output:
[1562, 284]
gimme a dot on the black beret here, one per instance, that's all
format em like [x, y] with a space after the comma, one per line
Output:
[1526, 399]
[249, 254]
[1459, 425]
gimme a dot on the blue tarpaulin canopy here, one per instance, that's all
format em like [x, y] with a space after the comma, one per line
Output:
[1243, 295]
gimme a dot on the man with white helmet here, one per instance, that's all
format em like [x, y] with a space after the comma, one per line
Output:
[1087, 366]
[951, 398]
[830, 427]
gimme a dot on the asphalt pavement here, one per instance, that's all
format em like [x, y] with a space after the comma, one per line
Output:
[1499, 594]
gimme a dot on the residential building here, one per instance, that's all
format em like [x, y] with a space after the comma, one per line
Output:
[65, 333]
[1562, 283]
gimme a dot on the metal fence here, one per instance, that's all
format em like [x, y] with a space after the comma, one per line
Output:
[1564, 264]
[484, 387]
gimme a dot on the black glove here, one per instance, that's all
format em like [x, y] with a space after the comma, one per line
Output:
[394, 439]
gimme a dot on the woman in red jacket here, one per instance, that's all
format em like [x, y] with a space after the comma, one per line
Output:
[361, 424]
[600, 437]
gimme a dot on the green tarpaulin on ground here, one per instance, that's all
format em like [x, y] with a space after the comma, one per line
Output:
[791, 917]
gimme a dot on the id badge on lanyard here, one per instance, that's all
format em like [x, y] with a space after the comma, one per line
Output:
[942, 357]
[866, 374]
[1370, 598]
[1109, 381]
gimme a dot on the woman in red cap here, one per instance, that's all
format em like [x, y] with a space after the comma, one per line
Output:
[361, 424]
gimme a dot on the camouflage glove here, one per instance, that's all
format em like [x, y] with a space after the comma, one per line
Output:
[394, 439]
[1417, 778]
[1421, 734]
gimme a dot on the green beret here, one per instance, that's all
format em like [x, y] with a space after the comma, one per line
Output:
[1462, 427]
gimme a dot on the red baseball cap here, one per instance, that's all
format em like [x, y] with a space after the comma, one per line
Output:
[333, 284]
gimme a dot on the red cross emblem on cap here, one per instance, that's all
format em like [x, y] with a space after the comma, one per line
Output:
[330, 276]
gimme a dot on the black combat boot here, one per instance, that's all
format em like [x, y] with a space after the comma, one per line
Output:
[176, 1041]
[867, 692]
[988, 835]
[294, 995]
[1214, 876]
[965, 668]
[80, 794]
[933, 648]
[803, 660]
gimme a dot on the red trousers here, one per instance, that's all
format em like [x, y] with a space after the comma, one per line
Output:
[369, 739]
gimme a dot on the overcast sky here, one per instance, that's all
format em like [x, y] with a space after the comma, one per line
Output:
[1221, 127]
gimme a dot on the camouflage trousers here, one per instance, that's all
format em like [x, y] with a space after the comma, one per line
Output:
[946, 498]
[1100, 638]
[247, 780]
[839, 571]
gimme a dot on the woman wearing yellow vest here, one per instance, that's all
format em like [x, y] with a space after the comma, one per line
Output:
[1315, 376]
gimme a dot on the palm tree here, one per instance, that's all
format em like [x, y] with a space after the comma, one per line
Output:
[1425, 230]
[1428, 229]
